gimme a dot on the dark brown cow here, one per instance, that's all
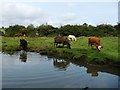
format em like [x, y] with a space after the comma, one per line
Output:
[23, 44]
[94, 41]
[61, 40]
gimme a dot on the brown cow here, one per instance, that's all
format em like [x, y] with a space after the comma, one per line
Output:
[94, 41]
[18, 35]
[61, 40]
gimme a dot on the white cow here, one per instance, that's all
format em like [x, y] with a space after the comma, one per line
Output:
[72, 37]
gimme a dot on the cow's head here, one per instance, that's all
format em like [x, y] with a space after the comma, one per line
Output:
[99, 47]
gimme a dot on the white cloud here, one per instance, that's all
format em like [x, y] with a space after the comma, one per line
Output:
[55, 23]
[84, 19]
[19, 13]
[71, 4]
[56, 14]
[69, 16]
[60, 0]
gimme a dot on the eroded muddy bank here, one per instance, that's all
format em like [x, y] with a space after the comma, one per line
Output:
[63, 54]
[70, 56]
[82, 58]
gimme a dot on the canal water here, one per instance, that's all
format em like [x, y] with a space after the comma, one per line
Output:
[33, 70]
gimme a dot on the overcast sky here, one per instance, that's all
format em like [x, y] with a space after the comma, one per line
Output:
[25, 12]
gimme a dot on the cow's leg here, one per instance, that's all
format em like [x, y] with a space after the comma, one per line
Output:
[91, 45]
[63, 45]
[56, 44]
[73, 39]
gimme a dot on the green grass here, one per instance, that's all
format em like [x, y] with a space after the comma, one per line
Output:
[78, 48]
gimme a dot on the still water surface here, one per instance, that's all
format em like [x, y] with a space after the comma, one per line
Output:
[37, 71]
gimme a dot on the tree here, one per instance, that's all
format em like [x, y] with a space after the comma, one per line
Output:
[12, 30]
[45, 30]
[31, 31]
[77, 30]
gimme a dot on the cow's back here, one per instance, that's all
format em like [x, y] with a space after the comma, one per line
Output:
[58, 39]
[65, 40]
[93, 40]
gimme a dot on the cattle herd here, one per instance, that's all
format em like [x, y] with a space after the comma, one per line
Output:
[64, 40]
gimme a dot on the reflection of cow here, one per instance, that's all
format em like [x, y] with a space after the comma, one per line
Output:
[92, 70]
[94, 41]
[61, 40]
[60, 64]
[23, 56]
[23, 44]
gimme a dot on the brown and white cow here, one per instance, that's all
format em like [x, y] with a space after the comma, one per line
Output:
[94, 41]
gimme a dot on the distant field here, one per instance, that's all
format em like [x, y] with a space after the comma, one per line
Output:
[78, 48]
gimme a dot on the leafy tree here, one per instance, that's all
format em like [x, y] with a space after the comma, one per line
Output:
[12, 30]
[77, 30]
[44, 30]
[31, 31]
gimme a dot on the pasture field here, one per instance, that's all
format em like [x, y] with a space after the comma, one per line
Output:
[79, 49]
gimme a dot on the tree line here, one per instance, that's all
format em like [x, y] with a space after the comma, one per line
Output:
[49, 30]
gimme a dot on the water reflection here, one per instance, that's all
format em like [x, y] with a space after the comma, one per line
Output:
[93, 71]
[42, 72]
[23, 56]
[60, 64]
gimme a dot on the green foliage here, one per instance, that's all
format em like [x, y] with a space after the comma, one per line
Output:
[77, 30]
[45, 30]
[30, 30]
[12, 30]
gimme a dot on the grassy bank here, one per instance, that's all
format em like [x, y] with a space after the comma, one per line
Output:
[79, 49]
